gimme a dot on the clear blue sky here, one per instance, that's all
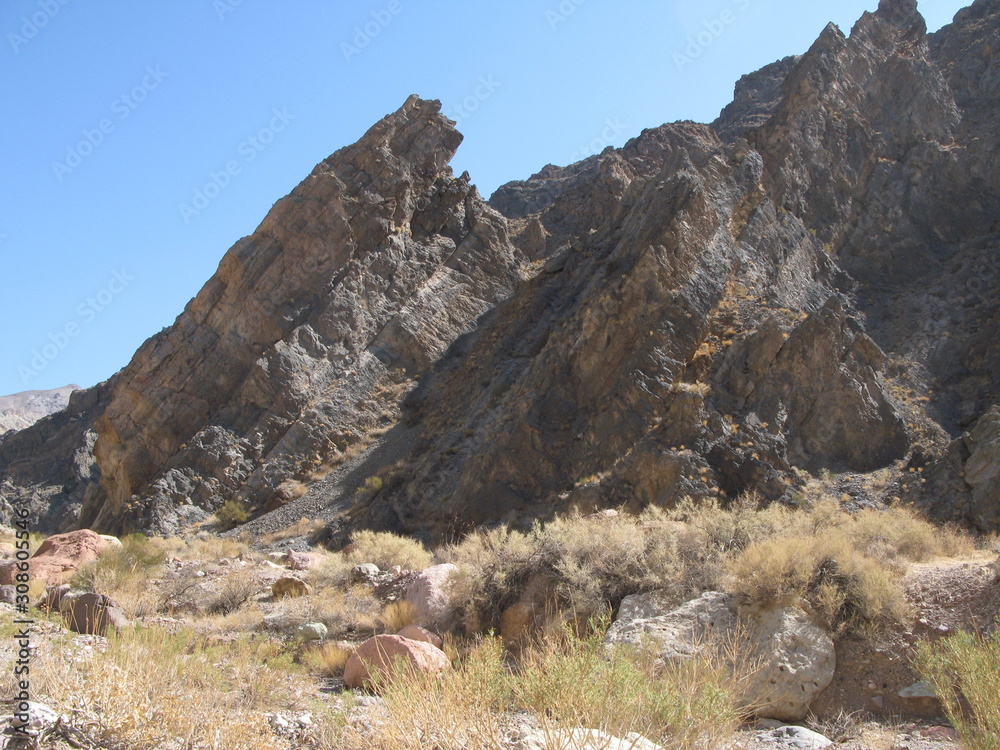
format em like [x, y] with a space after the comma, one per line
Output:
[115, 113]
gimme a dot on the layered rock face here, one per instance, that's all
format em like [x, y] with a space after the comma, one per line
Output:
[805, 286]
[301, 342]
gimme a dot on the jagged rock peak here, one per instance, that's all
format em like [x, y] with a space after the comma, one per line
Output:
[901, 15]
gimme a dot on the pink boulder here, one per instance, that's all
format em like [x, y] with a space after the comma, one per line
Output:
[376, 660]
[60, 556]
[417, 633]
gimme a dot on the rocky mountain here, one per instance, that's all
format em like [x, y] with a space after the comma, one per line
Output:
[20, 410]
[804, 288]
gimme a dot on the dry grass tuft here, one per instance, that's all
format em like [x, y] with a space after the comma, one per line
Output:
[328, 659]
[964, 670]
[152, 689]
[397, 616]
[845, 568]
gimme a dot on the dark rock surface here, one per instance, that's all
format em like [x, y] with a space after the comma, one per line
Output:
[808, 285]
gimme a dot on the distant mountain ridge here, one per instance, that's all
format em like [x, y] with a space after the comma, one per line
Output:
[20, 410]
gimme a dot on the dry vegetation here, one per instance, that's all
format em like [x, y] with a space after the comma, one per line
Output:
[209, 677]
[845, 569]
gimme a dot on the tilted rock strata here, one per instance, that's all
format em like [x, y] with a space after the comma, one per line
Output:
[802, 286]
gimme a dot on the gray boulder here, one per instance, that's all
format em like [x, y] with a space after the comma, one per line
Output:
[791, 659]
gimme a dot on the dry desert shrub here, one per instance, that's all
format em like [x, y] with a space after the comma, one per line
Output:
[387, 550]
[845, 567]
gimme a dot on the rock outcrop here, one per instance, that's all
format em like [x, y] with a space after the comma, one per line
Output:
[804, 286]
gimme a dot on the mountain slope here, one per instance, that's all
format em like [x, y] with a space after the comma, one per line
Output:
[804, 288]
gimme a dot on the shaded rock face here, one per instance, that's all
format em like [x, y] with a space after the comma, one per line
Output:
[807, 284]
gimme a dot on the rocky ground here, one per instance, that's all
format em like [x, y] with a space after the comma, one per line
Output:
[293, 601]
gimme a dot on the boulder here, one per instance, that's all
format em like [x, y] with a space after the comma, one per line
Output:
[54, 596]
[311, 631]
[93, 614]
[417, 633]
[982, 470]
[289, 586]
[377, 659]
[794, 658]
[430, 594]
[60, 556]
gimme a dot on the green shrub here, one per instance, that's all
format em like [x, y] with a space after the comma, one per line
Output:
[964, 671]
[233, 513]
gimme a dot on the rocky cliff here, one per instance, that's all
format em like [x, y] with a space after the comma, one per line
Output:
[804, 288]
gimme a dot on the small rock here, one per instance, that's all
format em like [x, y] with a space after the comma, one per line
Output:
[297, 560]
[918, 690]
[798, 738]
[366, 574]
[290, 586]
[8, 594]
[311, 631]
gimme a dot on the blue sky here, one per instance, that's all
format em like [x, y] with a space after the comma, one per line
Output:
[117, 115]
